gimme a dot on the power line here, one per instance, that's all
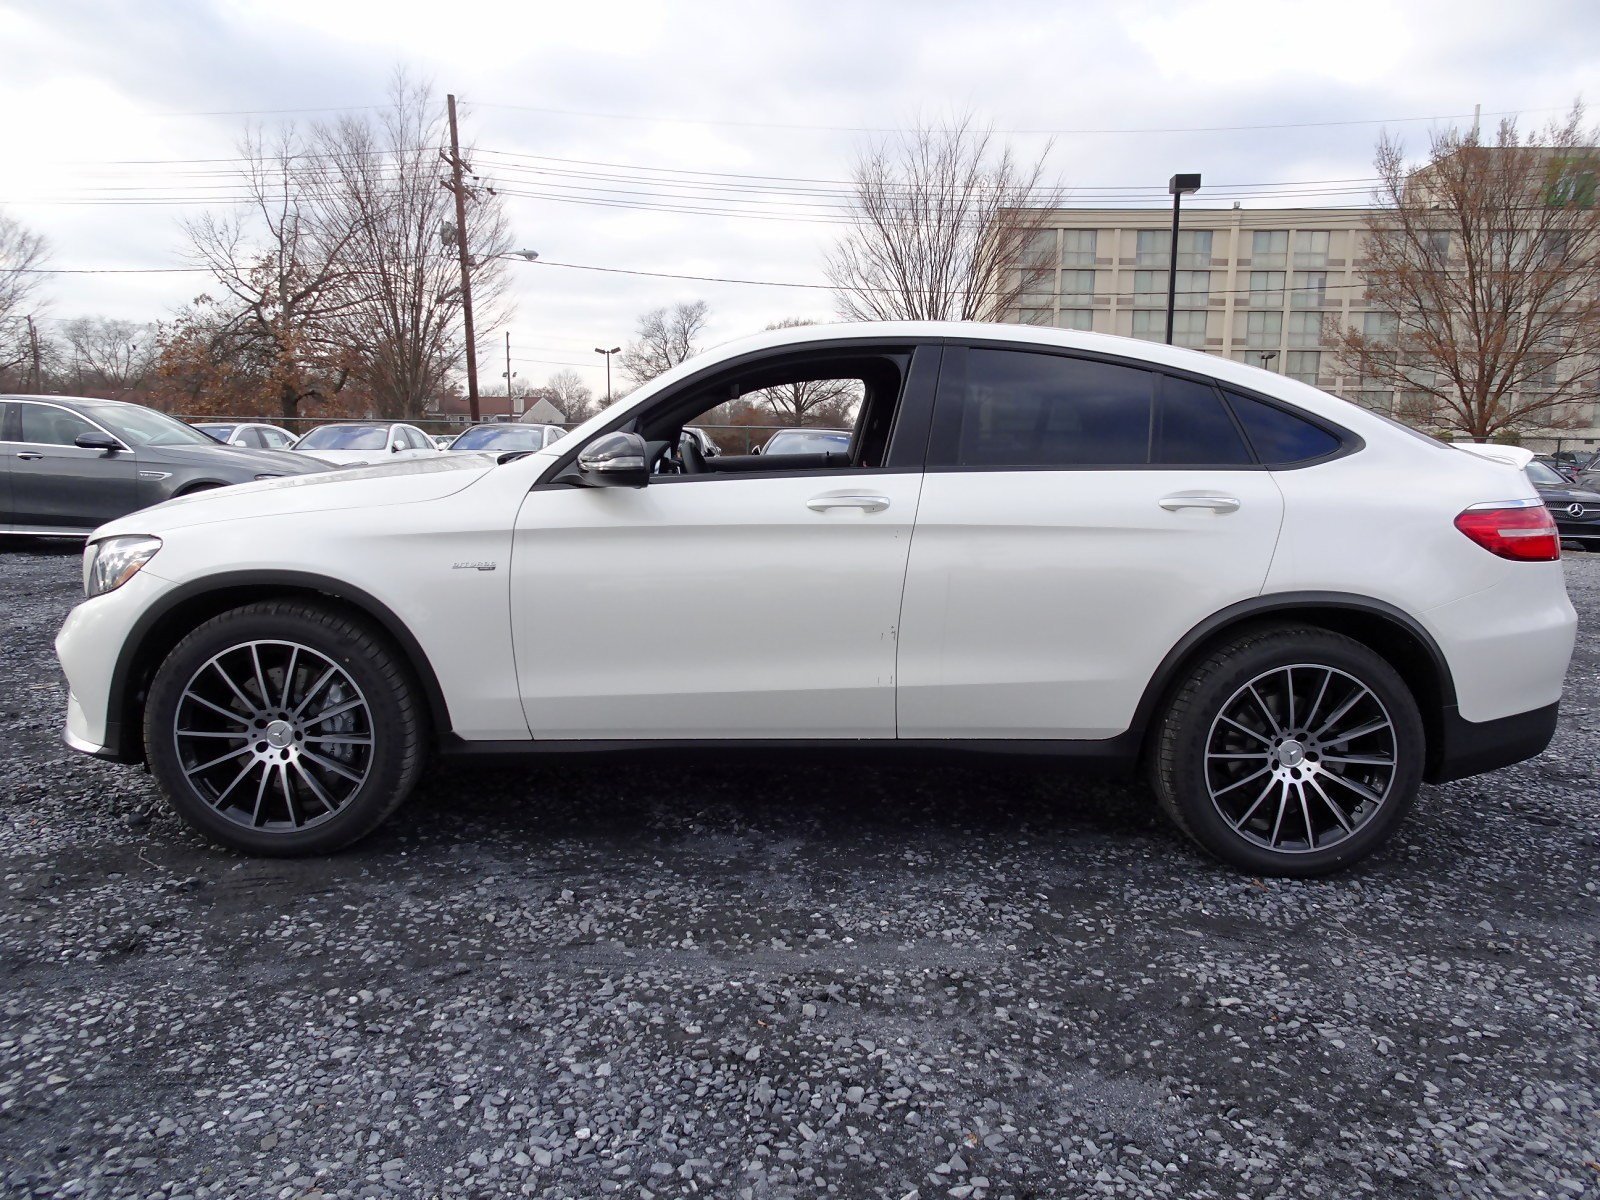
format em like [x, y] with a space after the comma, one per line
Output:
[656, 118]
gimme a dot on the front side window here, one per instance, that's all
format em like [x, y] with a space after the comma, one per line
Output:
[276, 439]
[1023, 409]
[146, 427]
[46, 425]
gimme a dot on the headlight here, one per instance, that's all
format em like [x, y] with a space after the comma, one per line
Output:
[109, 564]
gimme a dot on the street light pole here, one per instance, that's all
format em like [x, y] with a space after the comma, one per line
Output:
[1180, 186]
[608, 354]
[512, 407]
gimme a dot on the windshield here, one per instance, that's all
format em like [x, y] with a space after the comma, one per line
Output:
[807, 441]
[501, 437]
[345, 437]
[1540, 473]
[221, 432]
[146, 427]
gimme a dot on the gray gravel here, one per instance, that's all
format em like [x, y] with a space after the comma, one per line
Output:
[749, 979]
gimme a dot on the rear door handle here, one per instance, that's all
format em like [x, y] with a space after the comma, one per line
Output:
[842, 500]
[1216, 504]
[29, 455]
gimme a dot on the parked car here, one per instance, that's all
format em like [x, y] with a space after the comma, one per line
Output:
[1283, 610]
[808, 441]
[500, 438]
[359, 443]
[707, 444]
[1576, 509]
[247, 433]
[68, 464]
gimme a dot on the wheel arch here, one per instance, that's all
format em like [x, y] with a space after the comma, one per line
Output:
[180, 611]
[1381, 627]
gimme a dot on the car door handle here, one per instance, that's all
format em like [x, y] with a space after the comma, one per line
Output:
[1216, 504]
[29, 455]
[850, 500]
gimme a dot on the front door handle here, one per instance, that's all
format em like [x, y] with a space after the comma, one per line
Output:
[29, 455]
[1216, 504]
[842, 500]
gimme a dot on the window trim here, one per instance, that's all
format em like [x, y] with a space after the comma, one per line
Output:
[19, 401]
[908, 434]
[945, 426]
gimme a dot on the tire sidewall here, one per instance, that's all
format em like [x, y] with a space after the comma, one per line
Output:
[1187, 745]
[393, 720]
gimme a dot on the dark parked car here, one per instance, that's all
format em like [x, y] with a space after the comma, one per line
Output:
[1575, 507]
[68, 465]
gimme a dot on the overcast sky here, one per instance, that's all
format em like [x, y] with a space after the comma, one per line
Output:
[749, 89]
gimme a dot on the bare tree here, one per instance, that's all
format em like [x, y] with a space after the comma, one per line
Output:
[280, 263]
[108, 355]
[943, 220]
[809, 401]
[401, 313]
[1486, 263]
[22, 254]
[568, 392]
[665, 338]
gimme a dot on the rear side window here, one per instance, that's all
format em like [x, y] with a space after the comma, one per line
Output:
[1193, 428]
[1281, 439]
[1021, 409]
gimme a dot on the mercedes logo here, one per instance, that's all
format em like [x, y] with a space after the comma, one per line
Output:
[1574, 510]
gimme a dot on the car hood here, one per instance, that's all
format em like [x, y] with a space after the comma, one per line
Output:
[408, 481]
[240, 458]
[350, 458]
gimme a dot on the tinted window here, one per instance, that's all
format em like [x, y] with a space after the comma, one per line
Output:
[1042, 410]
[1194, 429]
[1280, 439]
[46, 426]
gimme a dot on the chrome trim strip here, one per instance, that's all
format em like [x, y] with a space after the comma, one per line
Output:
[1526, 502]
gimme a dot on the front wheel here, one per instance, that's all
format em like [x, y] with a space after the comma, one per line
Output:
[1290, 752]
[284, 728]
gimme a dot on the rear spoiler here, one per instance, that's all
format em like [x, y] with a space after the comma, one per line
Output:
[1513, 456]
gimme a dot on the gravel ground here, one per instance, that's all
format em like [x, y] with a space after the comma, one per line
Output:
[829, 978]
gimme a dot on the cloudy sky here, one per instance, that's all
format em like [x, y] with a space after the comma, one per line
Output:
[614, 108]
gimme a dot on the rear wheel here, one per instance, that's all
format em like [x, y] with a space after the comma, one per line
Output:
[284, 728]
[1290, 752]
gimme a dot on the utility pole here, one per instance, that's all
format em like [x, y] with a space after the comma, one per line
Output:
[512, 407]
[33, 350]
[459, 189]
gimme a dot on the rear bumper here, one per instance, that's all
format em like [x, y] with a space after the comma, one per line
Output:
[1473, 747]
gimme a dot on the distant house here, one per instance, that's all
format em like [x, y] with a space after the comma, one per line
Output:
[542, 412]
[456, 410]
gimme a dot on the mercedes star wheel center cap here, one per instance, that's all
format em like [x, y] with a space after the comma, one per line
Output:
[1291, 753]
[281, 733]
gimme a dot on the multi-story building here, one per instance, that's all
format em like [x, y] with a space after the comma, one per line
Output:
[1267, 286]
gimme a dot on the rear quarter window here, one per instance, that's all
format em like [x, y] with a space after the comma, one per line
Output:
[1280, 438]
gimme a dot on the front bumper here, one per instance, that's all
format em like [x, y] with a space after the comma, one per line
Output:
[89, 648]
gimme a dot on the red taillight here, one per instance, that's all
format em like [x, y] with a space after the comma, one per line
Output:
[1523, 534]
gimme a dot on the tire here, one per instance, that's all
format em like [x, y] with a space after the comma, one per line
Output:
[320, 763]
[1321, 801]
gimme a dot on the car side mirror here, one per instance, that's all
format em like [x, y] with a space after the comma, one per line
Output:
[615, 460]
[395, 449]
[755, 449]
[95, 440]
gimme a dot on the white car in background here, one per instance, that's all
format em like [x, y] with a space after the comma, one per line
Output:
[502, 436]
[254, 435]
[363, 443]
[1284, 611]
